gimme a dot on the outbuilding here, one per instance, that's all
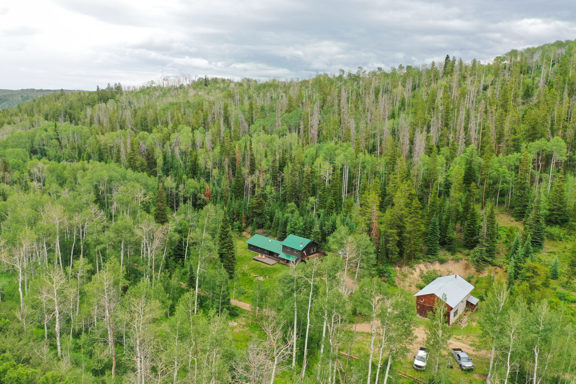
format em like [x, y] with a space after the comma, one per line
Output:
[453, 290]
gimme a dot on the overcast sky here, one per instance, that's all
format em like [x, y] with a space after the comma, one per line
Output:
[79, 44]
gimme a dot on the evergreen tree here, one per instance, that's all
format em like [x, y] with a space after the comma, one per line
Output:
[161, 210]
[478, 256]
[514, 247]
[191, 277]
[135, 161]
[491, 235]
[554, 272]
[521, 199]
[226, 250]
[433, 238]
[414, 229]
[471, 229]
[527, 252]
[557, 204]
[536, 227]
[512, 272]
[469, 177]
[178, 251]
[238, 185]
[256, 210]
[571, 262]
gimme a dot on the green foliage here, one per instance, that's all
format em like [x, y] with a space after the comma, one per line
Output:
[536, 227]
[557, 204]
[554, 270]
[433, 238]
[112, 200]
[160, 208]
[522, 191]
[226, 250]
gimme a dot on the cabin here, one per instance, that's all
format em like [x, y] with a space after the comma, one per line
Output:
[293, 249]
[453, 290]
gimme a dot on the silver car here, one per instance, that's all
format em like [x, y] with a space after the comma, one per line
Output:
[420, 359]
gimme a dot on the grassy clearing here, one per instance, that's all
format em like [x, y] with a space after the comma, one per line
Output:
[249, 273]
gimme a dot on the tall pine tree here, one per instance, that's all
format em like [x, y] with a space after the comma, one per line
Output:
[557, 204]
[490, 235]
[536, 227]
[226, 250]
[161, 210]
[433, 238]
[521, 199]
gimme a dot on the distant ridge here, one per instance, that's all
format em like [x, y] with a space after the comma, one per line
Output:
[11, 98]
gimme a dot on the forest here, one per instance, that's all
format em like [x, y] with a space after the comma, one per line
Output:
[124, 215]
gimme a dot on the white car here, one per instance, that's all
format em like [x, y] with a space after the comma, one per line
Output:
[420, 359]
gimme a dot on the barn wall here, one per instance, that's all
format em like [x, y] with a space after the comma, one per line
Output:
[425, 305]
[458, 310]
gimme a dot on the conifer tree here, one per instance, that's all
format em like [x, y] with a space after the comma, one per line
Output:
[527, 252]
[135, 161]
[536, 227]
[521, 199]
[161, 210]
[471, 229]
[226, 250]
[514, 247]
[433, 238]
[491, 235]
[512, 273]
[554, 273]
[557, 204]
[513, 263]
[238, 185]
[178, 251]
[572, 261]
[414, 229]
[256, 209]
[469, 177]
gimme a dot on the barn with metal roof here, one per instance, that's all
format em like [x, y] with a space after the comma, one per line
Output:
[453, 290]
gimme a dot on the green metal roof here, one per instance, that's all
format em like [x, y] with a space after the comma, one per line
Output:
[296, 242]
[270, 245]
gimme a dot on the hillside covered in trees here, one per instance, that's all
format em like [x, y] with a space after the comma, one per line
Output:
[123, 214]
[11, 98]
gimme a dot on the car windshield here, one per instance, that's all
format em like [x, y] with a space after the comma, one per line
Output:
[464, 358]
[421, 358]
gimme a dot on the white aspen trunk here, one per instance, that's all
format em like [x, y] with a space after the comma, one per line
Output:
[110, 326]
[139, 376]
[198, 267]
[72, 252]
[175, 375]
[295, 332]
[550, 174]
[308, 323]
[373, 337]
[274, 365]
[508, 366]
[122, 254]
[57, 325]
[492, 350]
[536, 352]
[388, 368]
[381, 354]
[20, 292]
[323, 333]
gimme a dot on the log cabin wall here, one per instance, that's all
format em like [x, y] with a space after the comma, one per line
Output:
[425, 305]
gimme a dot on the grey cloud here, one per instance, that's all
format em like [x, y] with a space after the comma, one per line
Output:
[288, 39]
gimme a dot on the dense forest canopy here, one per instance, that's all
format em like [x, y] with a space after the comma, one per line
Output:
[122, 212]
